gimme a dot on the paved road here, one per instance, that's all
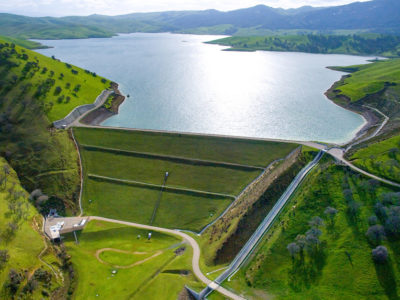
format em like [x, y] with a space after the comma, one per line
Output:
[338, 154]
[263, 227]
[187, 238]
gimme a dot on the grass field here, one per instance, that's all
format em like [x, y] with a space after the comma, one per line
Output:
[60, 87]
[25, 243]
[161, 277]
[342, 266]
[206, 188]
[370, 78]
[380, 158]
[247, 152]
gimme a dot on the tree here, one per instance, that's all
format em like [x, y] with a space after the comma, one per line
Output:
[354, 209]
[376, 233]
[392, 224]
[293, 249]
[316, 222]
[380, 254]
[393, 152]
[348, 195]
[6, 170]
[331, 213]
[301, 241]
[3, 258]
[57, 90]
[372, 220]
[35, 194]
[14, 280]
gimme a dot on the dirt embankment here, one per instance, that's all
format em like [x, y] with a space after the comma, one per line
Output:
[107, 110]
[224, 232]
[257, 212]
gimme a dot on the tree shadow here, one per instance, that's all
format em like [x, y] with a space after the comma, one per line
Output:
[387, 279]
[306, 272]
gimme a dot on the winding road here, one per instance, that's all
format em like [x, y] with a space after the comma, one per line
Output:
[188, 239]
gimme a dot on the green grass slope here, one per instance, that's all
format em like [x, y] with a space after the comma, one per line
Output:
[161, 277]
[359, 44]
[381, 158]
[370, 79]
[23, 243]
[341, 266]
[193, 206]
[58, 87]
[230, 150]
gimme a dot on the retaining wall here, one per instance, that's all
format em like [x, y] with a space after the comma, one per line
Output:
[77, 112]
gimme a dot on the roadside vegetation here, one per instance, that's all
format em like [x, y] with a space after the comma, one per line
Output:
[337, 239]
[356, 44]
[110, 263]
[22, 274]
[201, 183]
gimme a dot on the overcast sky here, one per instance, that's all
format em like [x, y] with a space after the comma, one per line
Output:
[116, 7]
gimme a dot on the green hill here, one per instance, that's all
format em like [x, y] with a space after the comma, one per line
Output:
[35, 90]
[360, 44]
[22, 274]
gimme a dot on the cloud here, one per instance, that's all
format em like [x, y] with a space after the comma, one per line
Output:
[115, 7]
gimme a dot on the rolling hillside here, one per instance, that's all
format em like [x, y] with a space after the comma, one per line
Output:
[35, 90]
[373, 16]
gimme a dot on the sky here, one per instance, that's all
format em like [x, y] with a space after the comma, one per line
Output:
[118, 7]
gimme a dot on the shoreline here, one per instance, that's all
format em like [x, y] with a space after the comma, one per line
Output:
[371, 120]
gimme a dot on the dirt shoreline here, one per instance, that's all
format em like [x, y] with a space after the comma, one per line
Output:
[370, 117]
[100, 114]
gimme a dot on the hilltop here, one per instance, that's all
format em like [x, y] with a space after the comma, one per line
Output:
[379, 16]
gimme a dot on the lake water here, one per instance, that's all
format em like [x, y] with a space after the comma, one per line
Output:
[178, 83]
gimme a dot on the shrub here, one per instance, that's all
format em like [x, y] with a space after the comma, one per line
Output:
[376, 233]
[57, 90]
[380, 254]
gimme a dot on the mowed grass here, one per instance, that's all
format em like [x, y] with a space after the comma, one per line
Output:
[215, 179]
[231, 150]
[66, 90]
[370, 78]
[207, 188]
[380, 158]
[343, 267]
[136, 204]
[95, 280]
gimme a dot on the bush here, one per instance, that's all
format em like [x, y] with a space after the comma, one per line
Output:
[376, 233]
[380, 254]
[14, 280]
[57, 90]
[4, 257]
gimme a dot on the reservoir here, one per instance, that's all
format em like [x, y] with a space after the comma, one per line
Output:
[177, 82]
